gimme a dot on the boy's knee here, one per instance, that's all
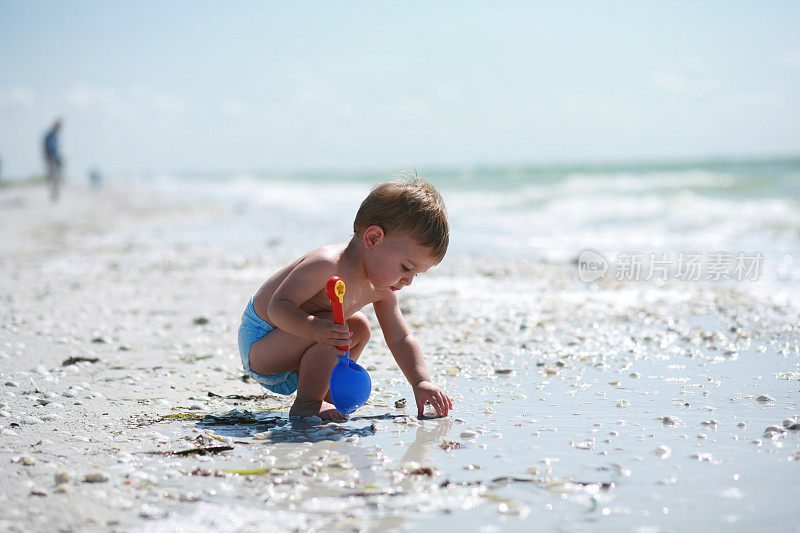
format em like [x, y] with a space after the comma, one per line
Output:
[359, 325]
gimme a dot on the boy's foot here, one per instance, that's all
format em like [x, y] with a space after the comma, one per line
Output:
[324, 410]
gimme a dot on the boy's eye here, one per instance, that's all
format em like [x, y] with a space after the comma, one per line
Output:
[405, 268]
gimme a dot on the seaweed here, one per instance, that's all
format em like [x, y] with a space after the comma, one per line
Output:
[78, 359]
[181, 416]
[202, 450]
[237, 423]
[245, 472]
[238, 396]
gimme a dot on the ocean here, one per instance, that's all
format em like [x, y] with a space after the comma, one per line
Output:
[722, 210]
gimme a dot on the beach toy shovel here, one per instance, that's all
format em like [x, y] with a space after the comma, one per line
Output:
[350, 382]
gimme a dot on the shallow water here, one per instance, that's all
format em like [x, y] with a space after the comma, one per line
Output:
[567, 433]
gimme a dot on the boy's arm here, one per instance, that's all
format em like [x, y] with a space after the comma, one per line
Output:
[299, 286]
[407, 353]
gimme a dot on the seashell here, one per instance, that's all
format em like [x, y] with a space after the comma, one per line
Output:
[663, 451]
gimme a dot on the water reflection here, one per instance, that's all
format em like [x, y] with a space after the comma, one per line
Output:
[426, 439]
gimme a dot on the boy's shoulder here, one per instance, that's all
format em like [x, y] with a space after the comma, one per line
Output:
[329, 254]
[324, 257]
[322, 260]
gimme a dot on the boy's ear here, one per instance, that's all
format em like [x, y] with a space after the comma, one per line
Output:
[372, 236]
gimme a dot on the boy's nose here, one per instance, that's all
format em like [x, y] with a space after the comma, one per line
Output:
[407, 280]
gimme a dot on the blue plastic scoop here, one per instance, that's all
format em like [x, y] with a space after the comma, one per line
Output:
[350, 383]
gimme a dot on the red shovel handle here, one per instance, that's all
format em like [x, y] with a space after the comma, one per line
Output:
[335, 289]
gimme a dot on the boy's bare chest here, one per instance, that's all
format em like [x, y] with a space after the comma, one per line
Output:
[354, 299]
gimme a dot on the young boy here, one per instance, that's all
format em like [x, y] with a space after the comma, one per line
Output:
[288, 339]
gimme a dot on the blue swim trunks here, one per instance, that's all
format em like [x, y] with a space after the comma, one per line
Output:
[252, 328]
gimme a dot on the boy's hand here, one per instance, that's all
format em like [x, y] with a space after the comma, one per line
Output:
[331, 333]
[426, 391]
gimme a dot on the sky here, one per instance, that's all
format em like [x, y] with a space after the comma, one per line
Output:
[244, 86]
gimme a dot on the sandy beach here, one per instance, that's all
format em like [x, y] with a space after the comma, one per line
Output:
[637, 406]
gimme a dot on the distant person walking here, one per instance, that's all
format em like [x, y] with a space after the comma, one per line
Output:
[52, 158]
[95, 178]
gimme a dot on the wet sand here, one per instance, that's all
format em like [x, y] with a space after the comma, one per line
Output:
[641, 405]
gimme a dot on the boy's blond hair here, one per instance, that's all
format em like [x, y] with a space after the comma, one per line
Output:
[410, 205]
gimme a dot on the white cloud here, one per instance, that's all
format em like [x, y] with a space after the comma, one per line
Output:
[16, 97]
[670, 81]
[345, 109]
[84, 96]
[688, 80]
[448, 93]
[234, 108]
[752, 100]
[129, 103]
[414, 107]
[494, 105]
[308, 96]
[533, 105]
[696, 64]
[145, 99]
[169, 104]
[792, 58]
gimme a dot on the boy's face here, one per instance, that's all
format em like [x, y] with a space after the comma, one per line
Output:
[394, 259]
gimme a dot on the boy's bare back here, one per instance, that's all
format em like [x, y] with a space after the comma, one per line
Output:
[320, 264]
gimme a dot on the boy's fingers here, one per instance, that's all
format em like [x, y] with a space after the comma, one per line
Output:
[442, 407]
[444, 401]
[437, 405]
